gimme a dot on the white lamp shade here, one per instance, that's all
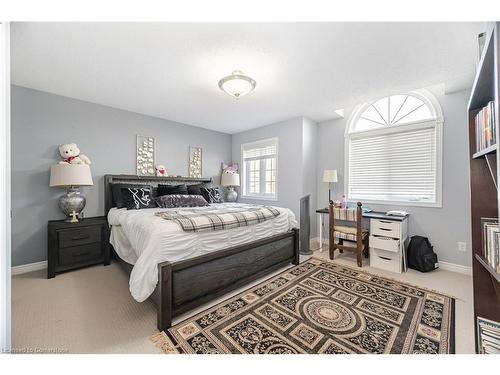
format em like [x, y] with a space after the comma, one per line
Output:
[330, 175]
[70, 175]
[230, 179]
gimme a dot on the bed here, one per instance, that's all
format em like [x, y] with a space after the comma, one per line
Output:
[179, 270]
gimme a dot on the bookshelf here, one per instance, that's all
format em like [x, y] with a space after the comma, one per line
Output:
[484, 179]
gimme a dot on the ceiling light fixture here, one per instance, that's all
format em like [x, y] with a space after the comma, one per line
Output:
[237, 84]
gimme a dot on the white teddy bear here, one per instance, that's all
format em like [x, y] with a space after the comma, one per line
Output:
[71, 154]
[161, 171]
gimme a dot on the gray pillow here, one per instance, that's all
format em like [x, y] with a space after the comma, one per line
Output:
[180, 200]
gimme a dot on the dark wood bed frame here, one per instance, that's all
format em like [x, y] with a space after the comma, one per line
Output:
[189, 283]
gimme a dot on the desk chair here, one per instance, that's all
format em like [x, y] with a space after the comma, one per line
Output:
[353, 234]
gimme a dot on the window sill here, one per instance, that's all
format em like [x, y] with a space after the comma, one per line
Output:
[397, 203]
[257, 197]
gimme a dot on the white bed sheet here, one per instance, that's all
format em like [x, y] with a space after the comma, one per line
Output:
[145, 240]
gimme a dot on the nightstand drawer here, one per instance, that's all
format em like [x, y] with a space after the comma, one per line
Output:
[82, 236]
[80, 254]
[385, 228]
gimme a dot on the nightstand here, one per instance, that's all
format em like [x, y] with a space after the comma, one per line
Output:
[76, 245]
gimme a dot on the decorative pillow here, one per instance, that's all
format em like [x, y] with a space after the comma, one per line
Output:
[116, 190]
[213, 194]
[171, 189]
[135, 198]
[194, 189]
[179, 200]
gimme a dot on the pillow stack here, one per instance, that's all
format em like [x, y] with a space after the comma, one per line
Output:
[136, 197]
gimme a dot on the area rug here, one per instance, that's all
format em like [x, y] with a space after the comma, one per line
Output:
[320, 307]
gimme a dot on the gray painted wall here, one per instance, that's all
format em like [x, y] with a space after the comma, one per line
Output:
[296, 161]
[309, 167]
[41, 121]
[289, 134]
[444, 226]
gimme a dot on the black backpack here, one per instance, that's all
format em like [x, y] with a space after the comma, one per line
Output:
[420, 255]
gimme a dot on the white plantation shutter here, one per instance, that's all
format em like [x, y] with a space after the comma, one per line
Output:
[259, 150]
[396, 165]
[259, 167]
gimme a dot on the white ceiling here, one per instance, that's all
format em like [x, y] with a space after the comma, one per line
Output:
[171, 70]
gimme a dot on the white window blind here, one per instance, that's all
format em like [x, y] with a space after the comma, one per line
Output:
[259, 163]
[259, 150]
[399, 166]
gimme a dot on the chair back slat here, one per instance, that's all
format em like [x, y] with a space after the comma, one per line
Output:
[345, 214]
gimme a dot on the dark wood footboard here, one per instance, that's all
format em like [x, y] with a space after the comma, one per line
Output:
[187, 284]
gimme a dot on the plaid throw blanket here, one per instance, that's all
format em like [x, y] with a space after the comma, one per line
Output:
[220, 218]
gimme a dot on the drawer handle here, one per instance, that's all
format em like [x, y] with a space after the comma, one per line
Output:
[386, 229]
[80, 237]
[81, 254]
[384, 258]
[385, 221]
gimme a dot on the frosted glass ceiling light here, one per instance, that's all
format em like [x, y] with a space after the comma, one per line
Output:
[237, 84]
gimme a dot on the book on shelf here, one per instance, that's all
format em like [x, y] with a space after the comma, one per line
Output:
[491, 242]
[485, 127]
[488, 332]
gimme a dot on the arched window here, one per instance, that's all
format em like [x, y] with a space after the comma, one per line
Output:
[393, 150]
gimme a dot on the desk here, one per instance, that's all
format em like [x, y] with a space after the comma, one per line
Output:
[400, 233]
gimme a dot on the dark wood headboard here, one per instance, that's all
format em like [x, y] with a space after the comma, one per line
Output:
[146, 180]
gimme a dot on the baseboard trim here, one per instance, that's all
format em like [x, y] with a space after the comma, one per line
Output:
[30, 267]
[458, 268]
[446, 266]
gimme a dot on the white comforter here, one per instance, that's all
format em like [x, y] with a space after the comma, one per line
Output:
[145, 240]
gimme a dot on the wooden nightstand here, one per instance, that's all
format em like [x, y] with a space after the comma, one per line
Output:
[75, 245]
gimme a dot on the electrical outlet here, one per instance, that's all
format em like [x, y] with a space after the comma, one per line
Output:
[462, 246]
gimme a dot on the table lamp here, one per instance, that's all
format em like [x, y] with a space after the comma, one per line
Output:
[330, 175]
[230, 180]
[71, 176]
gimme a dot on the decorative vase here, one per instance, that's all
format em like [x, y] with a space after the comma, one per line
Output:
[231, 195]
[73, 200]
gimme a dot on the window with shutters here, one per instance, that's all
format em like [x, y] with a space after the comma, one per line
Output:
[259, 169]
[393, 151]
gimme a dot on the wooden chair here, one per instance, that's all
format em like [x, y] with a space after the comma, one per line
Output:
[342, 233]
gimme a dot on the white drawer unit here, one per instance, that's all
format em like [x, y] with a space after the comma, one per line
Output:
[384, 243]
[388, 238]
[385, 228]
[385, 260]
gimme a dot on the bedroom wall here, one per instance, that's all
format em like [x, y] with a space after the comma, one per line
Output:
[444, 226]
[296, 161]
[41, 121]
[309, 167]
[289, 134]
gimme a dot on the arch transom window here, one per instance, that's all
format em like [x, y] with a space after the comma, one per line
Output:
[393, 151]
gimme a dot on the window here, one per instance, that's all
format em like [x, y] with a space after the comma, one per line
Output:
[393, 151]
[259, 163]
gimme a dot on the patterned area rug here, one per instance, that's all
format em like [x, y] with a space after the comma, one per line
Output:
[320, 307]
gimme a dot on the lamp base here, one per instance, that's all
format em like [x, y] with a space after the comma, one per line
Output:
[72, 203]
[231, 195]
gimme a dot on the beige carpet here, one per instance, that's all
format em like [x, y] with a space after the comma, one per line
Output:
[91, 310]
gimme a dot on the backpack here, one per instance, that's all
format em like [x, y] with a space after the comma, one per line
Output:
[420, 255]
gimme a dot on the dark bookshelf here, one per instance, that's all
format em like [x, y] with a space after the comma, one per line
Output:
[484, 181]
[487, 150]
[487, 267]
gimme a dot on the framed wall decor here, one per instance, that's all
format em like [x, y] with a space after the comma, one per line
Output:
[145, 156]
[195, 161]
